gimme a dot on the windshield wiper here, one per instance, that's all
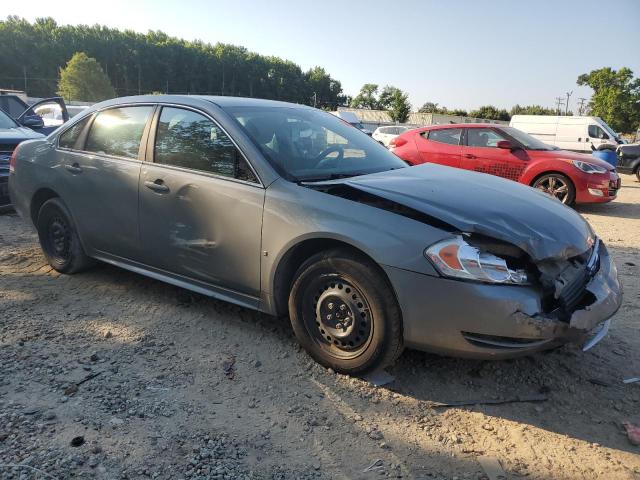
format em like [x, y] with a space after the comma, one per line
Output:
[337, 176]
[333, 176]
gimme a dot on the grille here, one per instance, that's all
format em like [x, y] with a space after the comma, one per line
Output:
[7, 147]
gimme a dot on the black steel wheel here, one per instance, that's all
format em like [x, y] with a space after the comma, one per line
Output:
[558, 186]
[344, 313]
[59, 239]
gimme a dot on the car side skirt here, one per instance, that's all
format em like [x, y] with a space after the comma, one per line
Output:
[219, 293]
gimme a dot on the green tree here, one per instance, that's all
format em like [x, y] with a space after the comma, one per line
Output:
[138, 63]
[491, 113]
[616, 97]
[367, 97]
[430, 107]
[399, 107]
[83, 79]
[459, 112]
[531, 110]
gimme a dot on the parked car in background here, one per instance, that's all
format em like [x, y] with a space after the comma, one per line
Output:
[579, 134]
[11, 134]
[384, 135]
[510, 153]
[286, 209]
[629, 159]
[44, 116]
[352, 119]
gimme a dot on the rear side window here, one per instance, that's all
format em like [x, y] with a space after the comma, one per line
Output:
[188, 139]
[70, 138]
[118, 131]
[450, 136]
[12, 105]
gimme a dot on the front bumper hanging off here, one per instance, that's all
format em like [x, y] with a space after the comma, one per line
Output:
[478, 320]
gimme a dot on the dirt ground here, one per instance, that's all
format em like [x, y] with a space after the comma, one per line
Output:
[190, 387]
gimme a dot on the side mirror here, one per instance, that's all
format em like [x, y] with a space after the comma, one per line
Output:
[506, 144]
[33, 121]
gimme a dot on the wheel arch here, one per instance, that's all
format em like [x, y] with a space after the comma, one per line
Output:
[547, 172]
[297, 254]
[37, 200]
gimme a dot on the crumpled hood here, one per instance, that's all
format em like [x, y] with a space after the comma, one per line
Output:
[484, 204]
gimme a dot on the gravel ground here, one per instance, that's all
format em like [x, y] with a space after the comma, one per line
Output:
[111, 375]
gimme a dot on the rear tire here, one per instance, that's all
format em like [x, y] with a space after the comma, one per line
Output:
[59, 239]
[344, 313]
[558, 186]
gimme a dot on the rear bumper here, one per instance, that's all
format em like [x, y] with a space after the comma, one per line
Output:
[475, 320]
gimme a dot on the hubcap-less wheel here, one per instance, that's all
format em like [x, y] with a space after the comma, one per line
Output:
[555, 186]
[59, 239]
[338, 316]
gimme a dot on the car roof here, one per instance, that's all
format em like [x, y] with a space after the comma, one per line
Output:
[221, 101]
[465, 125]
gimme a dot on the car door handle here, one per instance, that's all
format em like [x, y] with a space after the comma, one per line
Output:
[469, 155]
[75, 168]
[157, 186]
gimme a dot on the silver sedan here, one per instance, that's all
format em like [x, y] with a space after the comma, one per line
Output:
[291, 211]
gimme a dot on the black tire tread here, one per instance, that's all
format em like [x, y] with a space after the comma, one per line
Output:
[79, 260]
[389, 350]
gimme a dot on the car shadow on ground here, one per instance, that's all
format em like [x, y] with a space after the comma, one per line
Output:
[613, 209]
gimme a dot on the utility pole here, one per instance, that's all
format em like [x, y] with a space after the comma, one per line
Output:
[566, 107]
[559, 102]
[24, 72]
[315, 99]
[581, 105]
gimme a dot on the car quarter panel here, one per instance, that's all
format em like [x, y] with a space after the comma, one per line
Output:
[295, 213]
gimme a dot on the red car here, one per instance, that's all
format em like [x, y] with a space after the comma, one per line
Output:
[510, 153]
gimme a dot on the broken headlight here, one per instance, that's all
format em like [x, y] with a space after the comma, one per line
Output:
[455, 258]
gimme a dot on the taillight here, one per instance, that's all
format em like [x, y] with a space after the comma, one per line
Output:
[398, 142]
[12, 161]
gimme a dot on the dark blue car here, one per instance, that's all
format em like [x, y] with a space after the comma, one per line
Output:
[11, 134]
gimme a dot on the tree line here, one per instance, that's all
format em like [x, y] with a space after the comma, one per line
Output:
[154, 62]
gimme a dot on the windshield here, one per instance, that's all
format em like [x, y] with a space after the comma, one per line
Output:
[6, 121]
[527, 141]
[310, 145]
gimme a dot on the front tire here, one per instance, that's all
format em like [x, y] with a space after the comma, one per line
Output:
[558, 186]
[344, 313]
[59, 239]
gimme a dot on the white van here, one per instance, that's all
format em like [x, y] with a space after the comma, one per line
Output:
[568, 133]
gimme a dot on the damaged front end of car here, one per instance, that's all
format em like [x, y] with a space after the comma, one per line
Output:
[518, 271]
[578, 296]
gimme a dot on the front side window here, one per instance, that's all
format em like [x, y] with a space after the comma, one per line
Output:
[596, 132]
[51, 114]
[188, 139]
[449, 136]
[308, 145]
[118, 131]
[70, 138]
[483, 137]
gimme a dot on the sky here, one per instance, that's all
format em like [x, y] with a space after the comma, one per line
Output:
[458, 53]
